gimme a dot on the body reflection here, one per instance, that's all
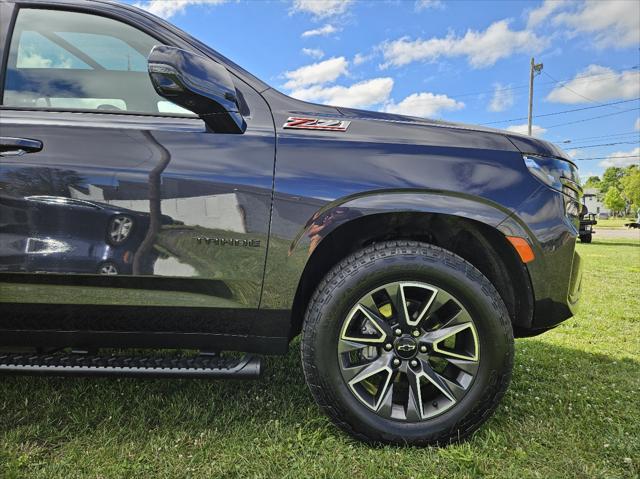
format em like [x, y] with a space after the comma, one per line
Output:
[57, 234]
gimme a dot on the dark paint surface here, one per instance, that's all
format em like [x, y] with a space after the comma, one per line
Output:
[229, 221]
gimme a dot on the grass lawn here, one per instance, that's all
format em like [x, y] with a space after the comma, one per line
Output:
[573, 410]
[613, 222]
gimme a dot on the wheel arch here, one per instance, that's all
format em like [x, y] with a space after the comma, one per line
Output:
[463, 226]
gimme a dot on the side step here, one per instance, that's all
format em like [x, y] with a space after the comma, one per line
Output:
[202, 367]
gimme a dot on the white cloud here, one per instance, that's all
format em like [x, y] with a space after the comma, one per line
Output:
[502, 98]
[168, 8]
[320, 32]
[598, 83]
[522, 129]
[360, 95]
[359, 59]
[426, 4]
[482, 48]
[637, 125]
[622, 158]
[612, 23]
[33, 60]
[313, 53]
[317, 73]
[423, 104]
[538, 15]
[321, 8]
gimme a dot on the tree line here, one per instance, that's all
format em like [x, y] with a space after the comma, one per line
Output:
[620, 188]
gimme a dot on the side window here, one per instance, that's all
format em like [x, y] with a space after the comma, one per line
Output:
[71, 60]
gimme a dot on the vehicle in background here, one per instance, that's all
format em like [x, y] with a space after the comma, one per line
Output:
[587, 222]
[67, 235]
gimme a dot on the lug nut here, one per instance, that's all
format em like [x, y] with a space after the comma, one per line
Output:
[416, 333]
[398, 331]
[388, 346]
[396, 362]
[423, 349]
[414, 363]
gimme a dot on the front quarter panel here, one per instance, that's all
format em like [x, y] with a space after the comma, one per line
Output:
[324, 179]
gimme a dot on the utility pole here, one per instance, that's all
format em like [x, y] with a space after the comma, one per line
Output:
[535, 69]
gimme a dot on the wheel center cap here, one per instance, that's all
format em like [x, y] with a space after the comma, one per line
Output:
[406, 347]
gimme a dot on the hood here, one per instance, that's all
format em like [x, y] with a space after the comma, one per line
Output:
[524, 143]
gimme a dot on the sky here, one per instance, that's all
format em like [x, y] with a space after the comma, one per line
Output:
[464, 61]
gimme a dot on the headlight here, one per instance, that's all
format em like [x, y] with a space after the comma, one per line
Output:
[561, 175]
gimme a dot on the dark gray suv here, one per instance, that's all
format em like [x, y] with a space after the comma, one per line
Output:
[407, 253]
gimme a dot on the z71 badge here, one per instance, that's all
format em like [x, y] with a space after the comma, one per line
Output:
[316, 124]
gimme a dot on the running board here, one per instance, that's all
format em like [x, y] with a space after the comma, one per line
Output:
[202, 367]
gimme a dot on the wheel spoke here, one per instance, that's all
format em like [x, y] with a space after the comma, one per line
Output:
[448, 388]
[439, 335]
[396, 294]
[414, 410]
[346, 346]
[370, 310]
[468, 366]
[436, 337]
[355, 374]
[363, 372]
[385, 406]
[376, 321]
[436, 300]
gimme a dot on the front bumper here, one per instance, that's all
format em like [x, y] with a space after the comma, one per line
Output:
[575, 284]
[556, 271]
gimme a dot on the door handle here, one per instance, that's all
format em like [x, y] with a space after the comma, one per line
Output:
[18, 146]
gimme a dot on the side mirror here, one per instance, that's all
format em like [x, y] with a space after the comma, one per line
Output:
[198, 84]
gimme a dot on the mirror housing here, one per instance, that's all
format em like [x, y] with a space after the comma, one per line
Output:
[198, 84]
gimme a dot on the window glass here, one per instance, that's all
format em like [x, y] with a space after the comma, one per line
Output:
[72, 60]
[111, 53]
[37, 51]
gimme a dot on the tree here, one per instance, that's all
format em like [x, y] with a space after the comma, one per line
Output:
[614, 200]
[593, 182]
[611, 178]
[630, 183]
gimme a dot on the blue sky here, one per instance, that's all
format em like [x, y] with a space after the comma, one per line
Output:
[464, 61]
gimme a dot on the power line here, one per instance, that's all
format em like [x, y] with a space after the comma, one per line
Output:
[563, 111]
[605, 158]
[591, 118]
[608, 144]
[599, 136]
[572, 91]
[564, 85]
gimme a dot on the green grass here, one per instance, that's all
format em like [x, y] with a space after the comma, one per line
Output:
[613, 222]
[572, 411]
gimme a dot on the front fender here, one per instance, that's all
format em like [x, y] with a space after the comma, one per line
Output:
[286, 262]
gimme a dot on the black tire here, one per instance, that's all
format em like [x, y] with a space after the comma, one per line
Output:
[586, 238]
[406, 261]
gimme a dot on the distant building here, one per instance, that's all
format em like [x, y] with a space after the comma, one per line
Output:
[593, 201]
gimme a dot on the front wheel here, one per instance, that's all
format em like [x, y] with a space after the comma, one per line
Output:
[407, 343]
[586, 238]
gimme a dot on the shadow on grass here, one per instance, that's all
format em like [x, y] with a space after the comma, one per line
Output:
[54, 410]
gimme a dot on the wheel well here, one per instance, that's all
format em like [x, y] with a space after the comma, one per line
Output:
[483, 246]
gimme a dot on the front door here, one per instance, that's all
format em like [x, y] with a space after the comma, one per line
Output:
[111, 195]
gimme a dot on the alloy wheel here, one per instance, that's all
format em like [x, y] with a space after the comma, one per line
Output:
[119, 229]
[108, 269]
[409, 351]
